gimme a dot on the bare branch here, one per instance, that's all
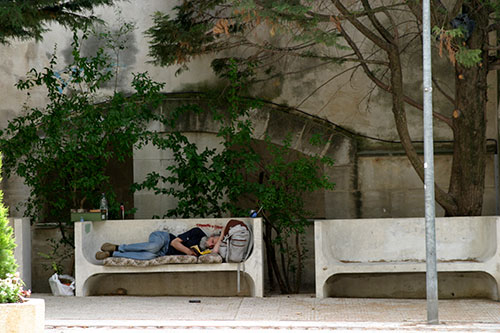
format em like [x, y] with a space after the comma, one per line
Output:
[362, 28]
[456, 9]
[376, 23]
[448, 97]
[324, 84]
[494, 65]
[493, 27]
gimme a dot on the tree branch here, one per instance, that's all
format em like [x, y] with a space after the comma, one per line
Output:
[324, 84]
[438, 86]
[493, 27]
[456, 9]
[376, 23]
[408, 100]
[494, 65]
[362, 28]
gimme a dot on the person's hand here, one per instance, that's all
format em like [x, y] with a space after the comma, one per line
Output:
[193, 253]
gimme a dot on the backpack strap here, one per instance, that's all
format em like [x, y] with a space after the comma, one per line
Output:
[250, 244]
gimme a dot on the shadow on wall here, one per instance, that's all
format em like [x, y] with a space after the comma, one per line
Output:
[411, 285]
[121, 46]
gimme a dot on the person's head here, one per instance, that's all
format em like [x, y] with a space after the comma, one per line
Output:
[208, 242]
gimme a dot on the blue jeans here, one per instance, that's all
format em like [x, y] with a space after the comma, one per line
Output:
[156, 246]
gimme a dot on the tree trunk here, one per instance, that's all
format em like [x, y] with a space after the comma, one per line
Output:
[469, 128]
[271, 257]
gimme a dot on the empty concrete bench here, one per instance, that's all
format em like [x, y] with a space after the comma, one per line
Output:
[89, 236]
[378, 248]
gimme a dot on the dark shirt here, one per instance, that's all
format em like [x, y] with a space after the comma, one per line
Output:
[189, 238]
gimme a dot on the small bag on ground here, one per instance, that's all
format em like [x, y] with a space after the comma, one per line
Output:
[59, 288]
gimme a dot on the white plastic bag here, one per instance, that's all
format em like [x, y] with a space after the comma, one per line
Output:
[60, 289]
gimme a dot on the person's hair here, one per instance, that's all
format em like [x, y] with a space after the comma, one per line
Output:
[204, 240]
[203, 243]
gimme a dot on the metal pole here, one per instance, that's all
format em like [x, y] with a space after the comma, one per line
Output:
[430, 213]
[495, 162]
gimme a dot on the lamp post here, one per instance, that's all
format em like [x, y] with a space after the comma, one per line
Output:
[430, 212]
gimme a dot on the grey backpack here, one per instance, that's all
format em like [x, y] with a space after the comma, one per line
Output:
[237, 244]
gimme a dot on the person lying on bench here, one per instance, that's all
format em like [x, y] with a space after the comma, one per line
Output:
[161, 243]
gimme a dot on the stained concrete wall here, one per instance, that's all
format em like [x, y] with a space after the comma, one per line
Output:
[367, 185]
[275, 124]
[342, 101]
[20, 56]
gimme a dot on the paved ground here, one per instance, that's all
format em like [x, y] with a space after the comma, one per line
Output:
[301, 313]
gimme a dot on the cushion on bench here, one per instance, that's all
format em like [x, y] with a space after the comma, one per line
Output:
[172, 259]
[211, 258]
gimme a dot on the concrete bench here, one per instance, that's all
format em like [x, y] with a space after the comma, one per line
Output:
[89, 236]
[468, 245]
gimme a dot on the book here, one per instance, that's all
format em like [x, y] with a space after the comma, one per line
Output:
[196, 249]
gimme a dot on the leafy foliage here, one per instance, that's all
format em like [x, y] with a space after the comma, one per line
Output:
[295, 37]
[284, 182]
[213, 182]
[7, 244]
[62, 150]
[11, 286]
[207, 182]
[27, 19]
[209, 27]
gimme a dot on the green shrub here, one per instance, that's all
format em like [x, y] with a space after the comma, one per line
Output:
[11, 286]
[62, 149]
[7, 244]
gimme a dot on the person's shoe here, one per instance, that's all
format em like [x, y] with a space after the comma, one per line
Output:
[108, 247]
[101, 255]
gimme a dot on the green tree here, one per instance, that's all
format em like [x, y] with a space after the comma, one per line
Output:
[28, 19]
[7, 245]
[208, 182]
[62, 150]
[234, 178]
[11, 285]
[323, 32]
[282, 184]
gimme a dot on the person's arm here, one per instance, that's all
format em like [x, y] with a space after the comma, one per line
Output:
[177, 244]
[217, 244]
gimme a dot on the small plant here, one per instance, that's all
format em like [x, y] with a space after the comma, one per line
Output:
[11, 286]
[7, 244]
[12, 289]
[59, 253]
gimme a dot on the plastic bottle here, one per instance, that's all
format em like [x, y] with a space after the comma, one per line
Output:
[122, 210]
[104, 208]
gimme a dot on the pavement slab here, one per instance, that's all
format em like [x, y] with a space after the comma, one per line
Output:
[297, 313]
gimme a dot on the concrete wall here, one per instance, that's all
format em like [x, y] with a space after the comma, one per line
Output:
[367, 184]
[390, 187]
[342, 101]
[19, 57]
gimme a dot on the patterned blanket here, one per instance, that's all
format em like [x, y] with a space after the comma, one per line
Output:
[212, 258]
